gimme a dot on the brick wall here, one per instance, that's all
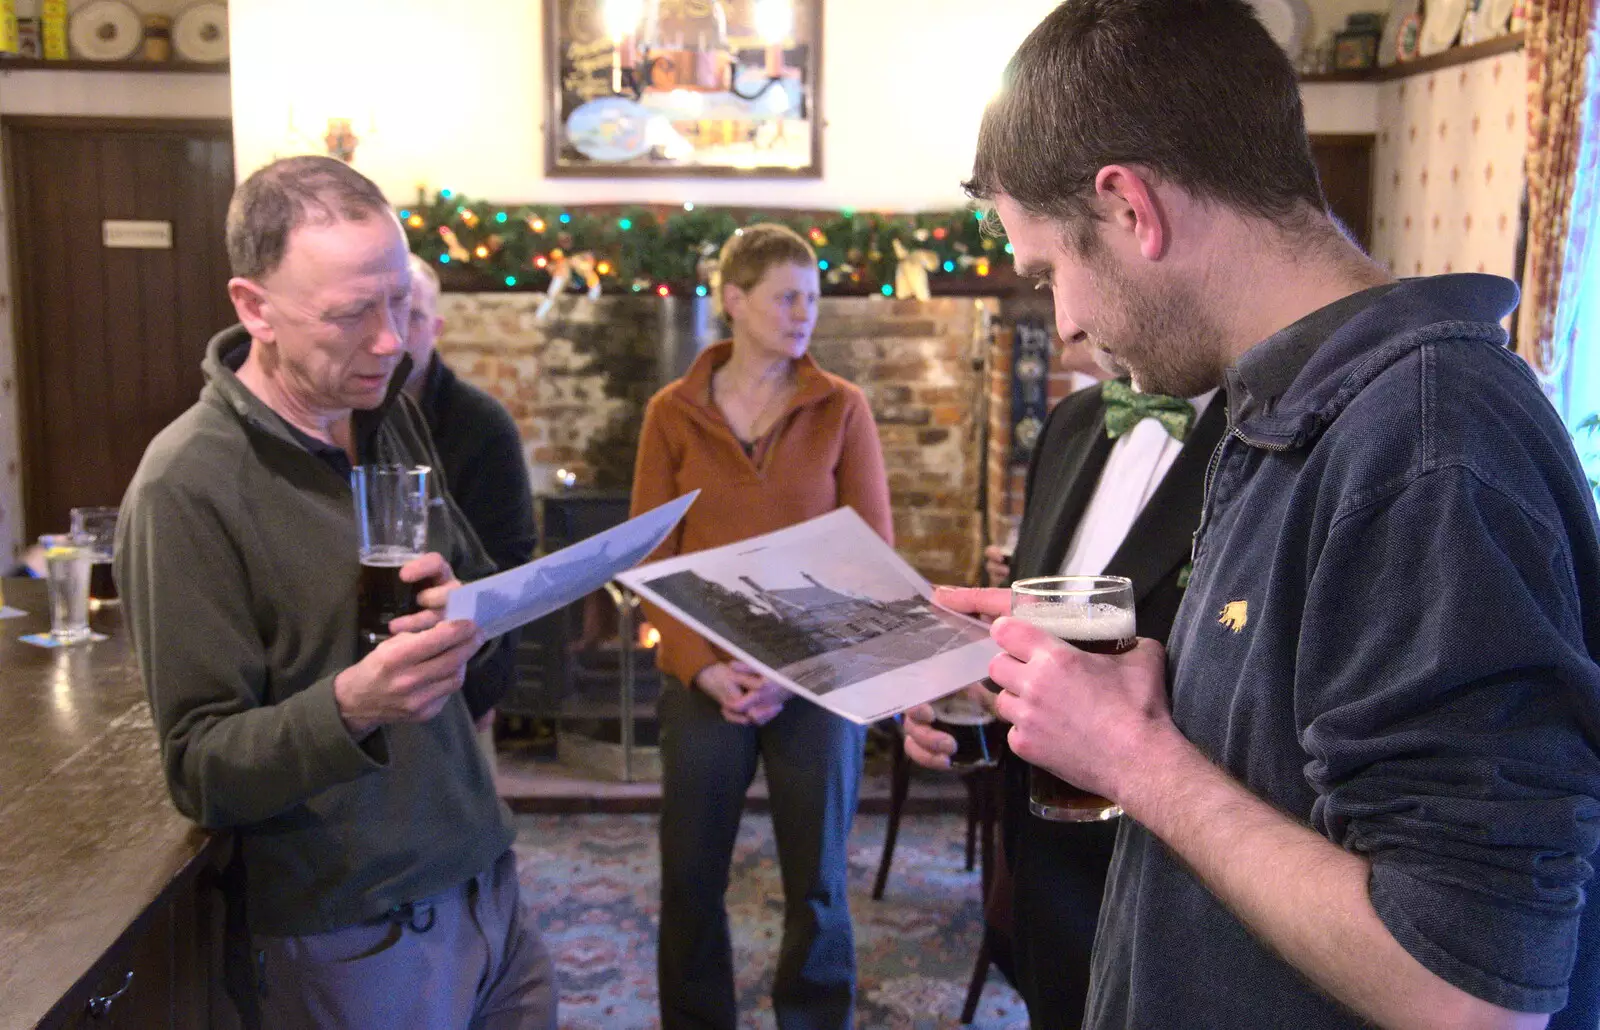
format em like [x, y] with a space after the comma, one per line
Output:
[920, 363]
[576, 382]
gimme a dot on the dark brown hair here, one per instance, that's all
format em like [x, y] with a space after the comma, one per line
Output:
[750, 251]
[280, 197]
[1195, 91]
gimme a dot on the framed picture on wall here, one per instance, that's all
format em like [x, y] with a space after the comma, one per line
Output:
[683, 88]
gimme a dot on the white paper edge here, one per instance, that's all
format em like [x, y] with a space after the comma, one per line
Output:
[461, 603]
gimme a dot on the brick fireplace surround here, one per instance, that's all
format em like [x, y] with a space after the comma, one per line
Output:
[576, 381]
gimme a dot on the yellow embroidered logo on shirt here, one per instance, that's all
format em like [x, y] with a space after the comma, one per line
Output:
[1235, 614]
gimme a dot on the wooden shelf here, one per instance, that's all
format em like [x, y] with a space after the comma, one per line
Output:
[1452, 57]
[1421, 66]
[1364, 75]
[30, 64]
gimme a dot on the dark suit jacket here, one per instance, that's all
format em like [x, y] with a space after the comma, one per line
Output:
[1059, 869]
[486, 473]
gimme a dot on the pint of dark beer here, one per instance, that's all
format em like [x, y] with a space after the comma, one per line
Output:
[391, 504]
[1094, 613]
[381, 596]
[965, 719]
[100, 525]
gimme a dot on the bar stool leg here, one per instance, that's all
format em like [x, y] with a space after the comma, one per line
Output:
[980, 974]
[974, 816]
[899, 785]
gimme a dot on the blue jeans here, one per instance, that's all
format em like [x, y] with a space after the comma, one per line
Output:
[813, 764]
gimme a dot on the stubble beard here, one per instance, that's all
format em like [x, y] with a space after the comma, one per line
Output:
[1159, 334]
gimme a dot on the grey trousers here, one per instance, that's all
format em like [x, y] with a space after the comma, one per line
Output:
[813, 763]
[470, 958]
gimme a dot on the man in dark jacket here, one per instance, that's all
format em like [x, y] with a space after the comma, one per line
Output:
[1112, 490]
[1364, 787]
[483, 466]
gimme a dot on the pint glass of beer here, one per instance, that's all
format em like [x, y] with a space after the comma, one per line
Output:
[392, 529]
[968, 721]
[1094, 613]
[100, 525]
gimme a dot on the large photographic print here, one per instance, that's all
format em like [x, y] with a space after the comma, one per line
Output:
[827, 609]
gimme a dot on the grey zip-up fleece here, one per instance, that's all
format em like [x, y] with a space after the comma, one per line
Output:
[236, 558]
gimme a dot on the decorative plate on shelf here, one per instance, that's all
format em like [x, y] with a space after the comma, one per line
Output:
[105, 30]
[1496, 16]
[1287, 21]
[1491, 19]
[200, 33]
[1441, 24]
[1408, 46]
[1389, 45]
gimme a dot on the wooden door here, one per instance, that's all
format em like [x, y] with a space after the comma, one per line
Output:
[1345, 166]
[110, 338]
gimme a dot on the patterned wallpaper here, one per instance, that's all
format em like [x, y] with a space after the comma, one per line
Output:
[1448, 168]
[10, 451]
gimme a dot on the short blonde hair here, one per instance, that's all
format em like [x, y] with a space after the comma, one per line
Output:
[752, 250]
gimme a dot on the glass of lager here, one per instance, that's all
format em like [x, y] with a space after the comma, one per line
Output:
[392, 529]
[1094, 613]
[968, 721]
[66, 566]
[100, 524]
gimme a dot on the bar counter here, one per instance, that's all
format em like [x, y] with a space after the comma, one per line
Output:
[108, 911]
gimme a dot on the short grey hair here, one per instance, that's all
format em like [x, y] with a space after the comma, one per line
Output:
[422, 269]
[281, 197]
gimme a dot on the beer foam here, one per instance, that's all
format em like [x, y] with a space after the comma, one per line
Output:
[1080, 621]
[388, 557]
[961, 711]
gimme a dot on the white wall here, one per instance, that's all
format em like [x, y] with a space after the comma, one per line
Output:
[451, 95]
[114, 94]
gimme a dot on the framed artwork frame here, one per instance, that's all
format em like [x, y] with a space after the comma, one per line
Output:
[683, 88]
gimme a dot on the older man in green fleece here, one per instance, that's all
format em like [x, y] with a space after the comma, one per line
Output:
[379, 885]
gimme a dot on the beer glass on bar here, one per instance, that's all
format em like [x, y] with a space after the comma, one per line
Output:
[968, 721]
[100, 525]
[1094, 613]
[392, 529]
[66, 566]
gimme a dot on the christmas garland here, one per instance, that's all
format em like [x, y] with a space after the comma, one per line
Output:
[478, 245]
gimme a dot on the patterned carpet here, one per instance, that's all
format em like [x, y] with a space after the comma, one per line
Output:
[594, 881]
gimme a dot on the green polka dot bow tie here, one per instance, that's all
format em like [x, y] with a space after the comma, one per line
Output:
[1126, 408]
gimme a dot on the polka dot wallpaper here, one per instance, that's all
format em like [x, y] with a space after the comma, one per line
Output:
[1448, 168]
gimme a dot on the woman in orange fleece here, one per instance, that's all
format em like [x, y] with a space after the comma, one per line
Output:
[771, 440]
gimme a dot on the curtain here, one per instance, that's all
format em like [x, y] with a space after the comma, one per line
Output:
[1575, 332]
[1560, 102]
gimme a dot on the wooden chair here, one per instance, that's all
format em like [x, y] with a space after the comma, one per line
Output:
[984, 788]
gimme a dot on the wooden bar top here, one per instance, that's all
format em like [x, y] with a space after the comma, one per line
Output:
[89, 840]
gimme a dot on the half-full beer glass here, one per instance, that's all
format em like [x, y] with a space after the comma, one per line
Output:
[1094, 613]
[100, 525]
[392, 528]
[968, 721]
[66, 568]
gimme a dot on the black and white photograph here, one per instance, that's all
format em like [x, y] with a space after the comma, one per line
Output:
[827, 609]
